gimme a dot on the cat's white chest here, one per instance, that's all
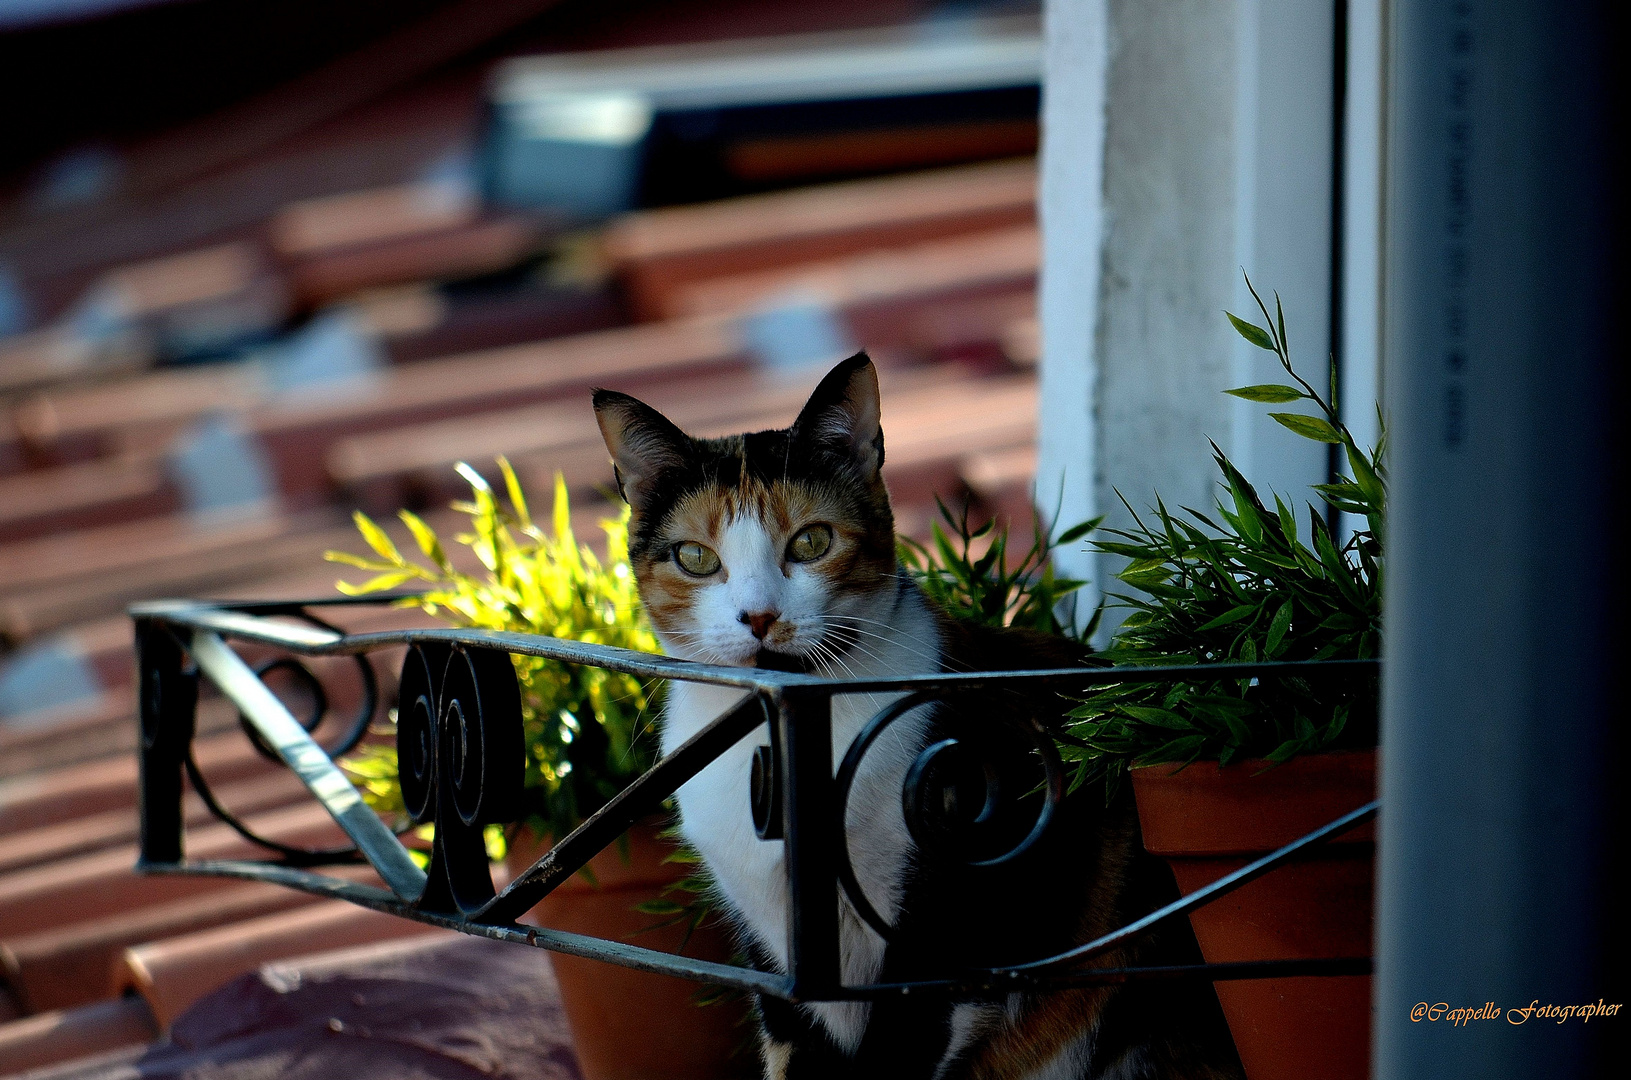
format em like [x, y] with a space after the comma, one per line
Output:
[716, 816]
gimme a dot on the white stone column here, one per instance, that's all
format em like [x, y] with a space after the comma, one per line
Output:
[1071, 204]
[1182, 142]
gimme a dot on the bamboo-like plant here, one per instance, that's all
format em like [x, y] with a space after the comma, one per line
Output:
[1244, 586]
[974, 581]
[585, 727]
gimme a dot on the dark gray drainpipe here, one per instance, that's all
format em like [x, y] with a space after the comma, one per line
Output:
[1497, 746]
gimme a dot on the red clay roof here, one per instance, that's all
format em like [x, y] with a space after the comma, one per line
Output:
[416, 1010]
[935, 271]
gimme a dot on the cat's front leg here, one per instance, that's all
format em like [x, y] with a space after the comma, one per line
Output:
[793, 1046]
[777, 1056]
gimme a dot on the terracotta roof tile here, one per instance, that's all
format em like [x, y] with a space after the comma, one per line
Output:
[52, 1037]
[410, 1010]
[104, 883]
[174, 973]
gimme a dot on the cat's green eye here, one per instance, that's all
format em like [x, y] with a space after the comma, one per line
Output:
[810, 544]
[694, 558]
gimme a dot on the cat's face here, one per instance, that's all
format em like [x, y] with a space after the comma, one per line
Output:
[775, 547]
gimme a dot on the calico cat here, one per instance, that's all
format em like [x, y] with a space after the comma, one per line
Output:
[777, 549]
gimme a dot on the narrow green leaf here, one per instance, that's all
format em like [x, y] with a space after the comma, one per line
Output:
[942, 543]
[1076, 532]
[1277, 629]
[1251, 523]
[983, 564]
[426, 538]
[1345, 497]
[1254, 334]
[659, 907]
[1284, 752]
[1287, 517]
[1159, 717]
[1309, 427]
[1268, 393]
[376, 538]
[1179, 749]
[561, 512]
[1147, 580]
[377, 584]
[1364, 476]
[518, 498]
[1230, 616]
[1338, 568]
[472, 477]
[359, 561]
[1131, 551]
[1339, 720]
[1141, 566]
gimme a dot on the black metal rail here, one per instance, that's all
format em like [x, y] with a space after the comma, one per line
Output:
[461, 749]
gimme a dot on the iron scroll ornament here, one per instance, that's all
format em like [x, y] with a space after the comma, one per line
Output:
[461, 757]
[350, 736]
[940, 816]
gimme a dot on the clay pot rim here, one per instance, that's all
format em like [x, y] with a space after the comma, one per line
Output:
[1243, 809]
[1263, 766]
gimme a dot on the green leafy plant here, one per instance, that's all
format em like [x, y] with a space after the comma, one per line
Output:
[966, 571]
[584, 727]
[1244, 586]
[691, 900]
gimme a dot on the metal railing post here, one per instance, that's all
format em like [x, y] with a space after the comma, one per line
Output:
[804, 720]
[168, 696]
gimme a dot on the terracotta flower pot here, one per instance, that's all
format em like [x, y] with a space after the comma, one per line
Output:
[1207, 821]
[626, 1024]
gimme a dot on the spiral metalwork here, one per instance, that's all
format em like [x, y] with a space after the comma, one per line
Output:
[461, 758]
[313, 686]
[941, 817]
[350, 736]
[418, 694]
[483, 745]
[353, 731]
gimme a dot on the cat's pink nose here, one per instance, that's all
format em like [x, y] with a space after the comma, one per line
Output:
[760, 622]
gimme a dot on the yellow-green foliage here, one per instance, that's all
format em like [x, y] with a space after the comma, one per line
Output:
[584, 726]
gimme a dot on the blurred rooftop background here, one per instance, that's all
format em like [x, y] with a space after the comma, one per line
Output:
[264, 263]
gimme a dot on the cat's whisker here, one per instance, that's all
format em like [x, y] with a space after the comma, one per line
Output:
[646, 719]
[894, 639]
[824, 659]
[897, 640]
[837, 658]
[871, 699]
[827, 649]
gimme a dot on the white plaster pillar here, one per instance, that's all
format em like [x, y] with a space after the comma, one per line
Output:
[1182, 141]
[1070, 204]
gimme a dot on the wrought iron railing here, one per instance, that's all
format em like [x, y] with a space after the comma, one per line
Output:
[461, 751]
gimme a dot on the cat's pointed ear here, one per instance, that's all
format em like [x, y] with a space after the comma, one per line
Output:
[844, 414]
[643, 442]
